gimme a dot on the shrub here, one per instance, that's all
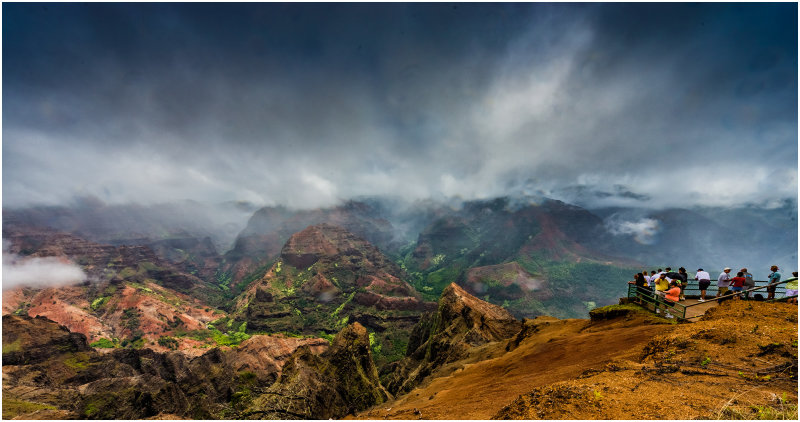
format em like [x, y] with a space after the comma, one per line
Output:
[168, 342]
[103, 343]
[99, 302]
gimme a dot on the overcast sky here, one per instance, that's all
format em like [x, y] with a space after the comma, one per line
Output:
[306, 104]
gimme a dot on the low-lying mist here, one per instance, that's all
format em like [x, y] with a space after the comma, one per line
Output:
[709, 237]
[39, 272]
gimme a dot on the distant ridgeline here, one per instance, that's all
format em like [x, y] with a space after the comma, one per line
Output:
[163, 283]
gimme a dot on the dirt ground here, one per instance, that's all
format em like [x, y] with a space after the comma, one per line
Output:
[740, 360]
[560, 350]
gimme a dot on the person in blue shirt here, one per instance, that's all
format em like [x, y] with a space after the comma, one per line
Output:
[774, 278]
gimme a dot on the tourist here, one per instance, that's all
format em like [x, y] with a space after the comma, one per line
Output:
[671, 275]
[672, 295]
[773, 278]
[642, 289]
[723, 281]
[791, 289]
[674, 291]
[737, 284]
[662, 284]
[703, 281]
[749, 283]
[645, 281]
[685, 282]
[638, 280]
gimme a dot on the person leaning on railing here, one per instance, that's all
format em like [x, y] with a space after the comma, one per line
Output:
[737, 284]
[642, 289]
[684, 281]
[774, 278]
[661, 284]
[749, 282]
[638, 280]
[723, 281]
[791, 289]
[703, 281]
[673, 294]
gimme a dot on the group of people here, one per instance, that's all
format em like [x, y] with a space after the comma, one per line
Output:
[671, 285]
[666, 283]
[743, 282]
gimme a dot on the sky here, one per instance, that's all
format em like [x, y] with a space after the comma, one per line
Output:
[304, 105]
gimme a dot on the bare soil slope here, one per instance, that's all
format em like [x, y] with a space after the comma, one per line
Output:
[739, 361]
[551, 350]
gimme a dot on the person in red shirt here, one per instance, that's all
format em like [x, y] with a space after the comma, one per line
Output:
[737, 284]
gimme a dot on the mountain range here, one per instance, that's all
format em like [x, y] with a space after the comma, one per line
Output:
[298, 298]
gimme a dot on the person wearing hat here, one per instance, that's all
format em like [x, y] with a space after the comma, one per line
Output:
[723, 282]
[703, 281]
[774, 278]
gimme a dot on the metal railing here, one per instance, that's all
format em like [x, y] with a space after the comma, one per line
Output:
[651, 300]
[692, 290]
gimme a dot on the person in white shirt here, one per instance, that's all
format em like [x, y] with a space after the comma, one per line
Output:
[703, 281]
[723, 282]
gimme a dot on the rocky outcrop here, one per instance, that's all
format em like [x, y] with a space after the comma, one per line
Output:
[387, 292]
[191, 255]
[330, 242]
[46, 364]
[504, 281]
[325, 276]
[329, 263]
[461, 322]
[104, 262]
[46, 367]
[270, 227]
[122, 310]
[130, 293]
[28, 341]
[339, 382]
[265, 356]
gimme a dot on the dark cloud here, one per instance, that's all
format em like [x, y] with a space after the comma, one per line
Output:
[305, 104]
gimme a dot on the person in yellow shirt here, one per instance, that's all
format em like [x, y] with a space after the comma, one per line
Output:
[662, 284]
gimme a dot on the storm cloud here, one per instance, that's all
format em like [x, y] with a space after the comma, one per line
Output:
[307, 104]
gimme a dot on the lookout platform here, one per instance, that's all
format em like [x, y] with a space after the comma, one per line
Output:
[691, 309]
